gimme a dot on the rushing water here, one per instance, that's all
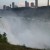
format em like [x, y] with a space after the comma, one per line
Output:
[32, 32]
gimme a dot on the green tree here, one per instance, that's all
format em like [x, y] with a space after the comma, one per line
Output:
[0, 38]
[4, 38]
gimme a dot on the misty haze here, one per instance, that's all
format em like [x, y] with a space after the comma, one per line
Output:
[30, 27]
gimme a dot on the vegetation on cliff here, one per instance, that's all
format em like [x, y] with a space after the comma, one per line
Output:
[4, 45]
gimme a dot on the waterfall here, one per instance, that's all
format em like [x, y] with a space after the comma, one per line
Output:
[29, 31]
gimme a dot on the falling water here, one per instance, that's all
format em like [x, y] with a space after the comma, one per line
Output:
[29, 31]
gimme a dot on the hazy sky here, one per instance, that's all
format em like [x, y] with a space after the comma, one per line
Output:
[21, 2]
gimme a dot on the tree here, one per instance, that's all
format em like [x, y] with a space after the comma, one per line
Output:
[0, 38]
[4, 37]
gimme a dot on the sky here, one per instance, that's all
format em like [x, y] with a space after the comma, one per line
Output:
[21, 2]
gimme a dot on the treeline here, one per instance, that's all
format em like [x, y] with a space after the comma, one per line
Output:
[3, 38]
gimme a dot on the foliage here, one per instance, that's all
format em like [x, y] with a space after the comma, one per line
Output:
[3, 38]
[4, 45]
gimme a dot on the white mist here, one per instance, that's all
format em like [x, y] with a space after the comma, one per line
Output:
[29, 31]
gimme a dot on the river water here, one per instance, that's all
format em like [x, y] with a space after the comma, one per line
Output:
[33, 32]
